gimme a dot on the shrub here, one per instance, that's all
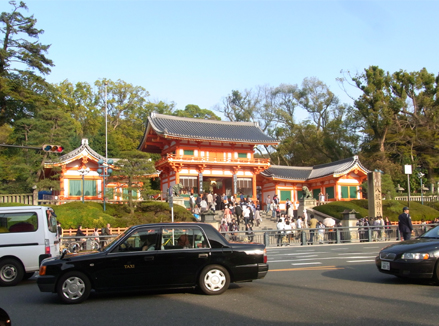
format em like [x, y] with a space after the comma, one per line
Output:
[391, 208]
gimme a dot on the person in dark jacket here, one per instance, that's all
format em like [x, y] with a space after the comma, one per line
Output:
[238, 213]
[80, 233]
[405, 224]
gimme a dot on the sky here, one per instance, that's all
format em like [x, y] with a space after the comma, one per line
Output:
[197, 52]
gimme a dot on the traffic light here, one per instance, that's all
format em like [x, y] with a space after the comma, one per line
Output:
[53, 148]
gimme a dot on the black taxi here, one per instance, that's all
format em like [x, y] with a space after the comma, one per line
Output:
[155, 256]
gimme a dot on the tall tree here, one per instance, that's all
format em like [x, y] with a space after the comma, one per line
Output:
[194, 111]
[21, 57]
[134, 168]
[377, 106]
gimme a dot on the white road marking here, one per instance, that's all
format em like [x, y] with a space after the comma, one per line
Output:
[298, 254]
[323, 258]
[359, 253]
[306, 264]
[359, 261]
[340, 249]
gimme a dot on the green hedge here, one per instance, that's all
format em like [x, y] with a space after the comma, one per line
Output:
[391, 208]
[91, 214]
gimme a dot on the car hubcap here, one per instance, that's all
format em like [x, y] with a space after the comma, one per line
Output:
[73, 288]
[215, 280]
[8, 273]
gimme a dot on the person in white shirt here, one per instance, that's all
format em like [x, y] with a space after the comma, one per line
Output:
[290, 212]
[203, 205]
[280, 231]
[246, 214]
[209, 199]
[288, 231]
[299, 222]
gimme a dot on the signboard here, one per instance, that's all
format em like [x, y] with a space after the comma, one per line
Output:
[407, 169]
[374, 194]
[200, 181]
[235, 184]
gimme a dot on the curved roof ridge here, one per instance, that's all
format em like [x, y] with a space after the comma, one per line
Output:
[324, 165]
[207, 130]
[173, 117]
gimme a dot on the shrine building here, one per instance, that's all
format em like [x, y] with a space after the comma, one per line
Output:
[218, 156]
[206, 155]
[79, 177]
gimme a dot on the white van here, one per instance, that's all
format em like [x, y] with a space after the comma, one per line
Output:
[28, 234]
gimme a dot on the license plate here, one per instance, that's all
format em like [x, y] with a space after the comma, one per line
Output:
[385, 265]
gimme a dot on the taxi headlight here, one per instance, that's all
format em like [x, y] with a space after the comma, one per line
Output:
[415, 255]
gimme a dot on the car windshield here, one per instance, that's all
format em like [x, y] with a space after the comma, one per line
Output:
[111, 241]
[433, 233]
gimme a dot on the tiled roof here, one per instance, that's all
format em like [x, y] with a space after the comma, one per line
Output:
[210, 130]
[288, 172]
[306, 173]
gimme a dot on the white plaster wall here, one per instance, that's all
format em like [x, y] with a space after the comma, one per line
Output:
[348, 181]
[66, 187]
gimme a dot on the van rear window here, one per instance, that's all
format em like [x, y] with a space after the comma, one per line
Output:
[18, 222]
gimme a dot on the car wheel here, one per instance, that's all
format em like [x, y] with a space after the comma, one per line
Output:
[11, 272]
[214, 279]
[73, 287]
[27, 276]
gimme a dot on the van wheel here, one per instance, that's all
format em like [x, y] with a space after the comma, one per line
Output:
[11, 272]
[73, 287]
[214, 279]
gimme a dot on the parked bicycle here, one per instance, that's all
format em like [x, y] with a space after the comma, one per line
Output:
[76, 246]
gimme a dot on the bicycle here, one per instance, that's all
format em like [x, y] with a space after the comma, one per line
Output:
[77, 246]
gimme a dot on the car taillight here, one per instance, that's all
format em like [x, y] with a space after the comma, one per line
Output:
[47, 245]
[265, 256]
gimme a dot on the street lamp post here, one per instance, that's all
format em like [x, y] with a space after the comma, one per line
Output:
[83, 172]
[104, 171]
[420, 175]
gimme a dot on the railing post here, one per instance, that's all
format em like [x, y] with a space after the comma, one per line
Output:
[338, 239]
[303, 238]
[266, 239]
[35, 197]
[369, 234]
[88, 244]
[398, 234]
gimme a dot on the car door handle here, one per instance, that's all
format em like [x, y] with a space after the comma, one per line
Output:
[148, 258]
[203, 255]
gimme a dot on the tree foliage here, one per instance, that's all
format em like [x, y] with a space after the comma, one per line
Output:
[134, 169]
[22, 58]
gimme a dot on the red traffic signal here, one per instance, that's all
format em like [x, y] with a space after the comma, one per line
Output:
[53, 148]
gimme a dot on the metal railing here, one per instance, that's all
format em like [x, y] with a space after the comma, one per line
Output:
[273, 238]
[80, 243]
[303, 237]
[430, 198]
